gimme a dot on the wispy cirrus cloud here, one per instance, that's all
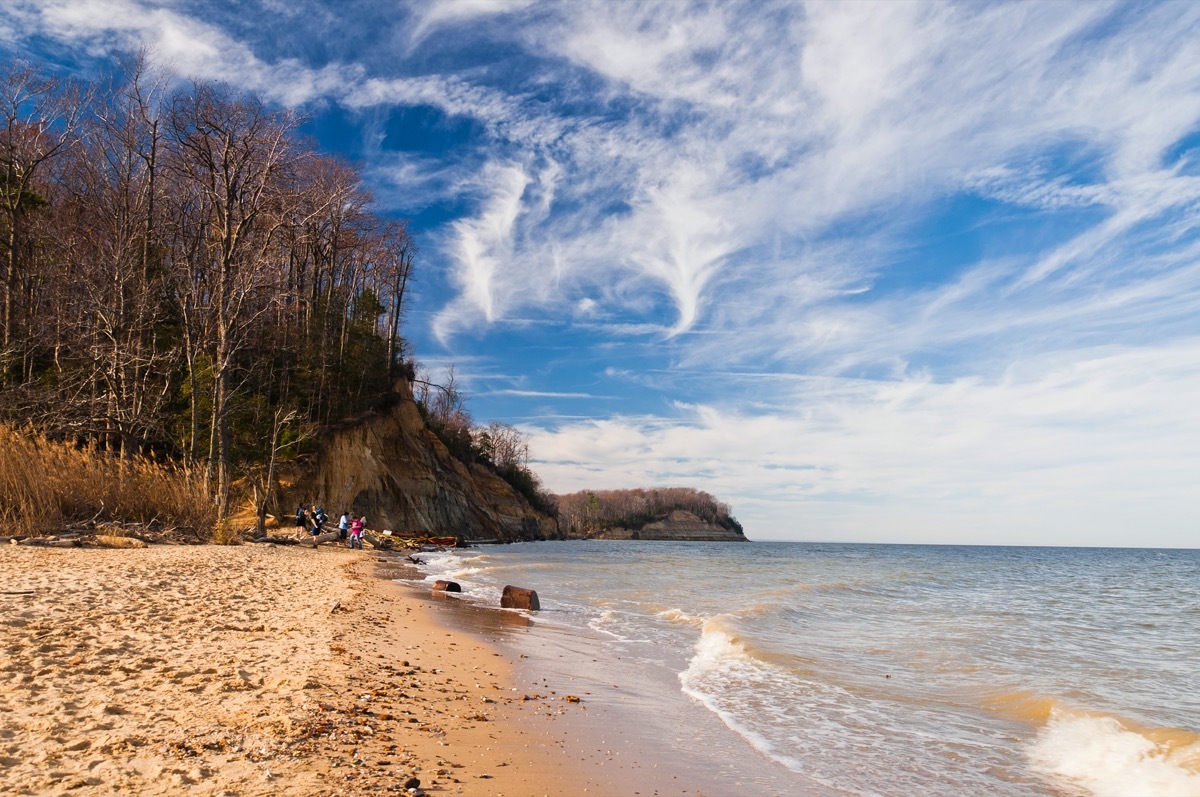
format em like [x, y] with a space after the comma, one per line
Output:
[431, 15]
[897, 104]
[190, 46]
[484, 244]
[544, 394]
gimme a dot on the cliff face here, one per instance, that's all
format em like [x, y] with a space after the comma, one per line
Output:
[394, 470]
[680, 525]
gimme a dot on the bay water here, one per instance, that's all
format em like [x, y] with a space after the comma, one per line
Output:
[875, 669]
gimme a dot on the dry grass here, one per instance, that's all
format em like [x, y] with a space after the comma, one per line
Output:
[225, 533]
[46, 485]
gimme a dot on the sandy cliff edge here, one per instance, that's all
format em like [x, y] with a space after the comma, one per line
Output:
[390, 467]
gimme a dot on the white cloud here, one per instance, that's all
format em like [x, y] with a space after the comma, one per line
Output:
[189, 46]
[828, 139]
[413, 181]
[902, 104]
[761, 127]
[1056, 450]
[542, 394]
[482, 247]
[432, 14]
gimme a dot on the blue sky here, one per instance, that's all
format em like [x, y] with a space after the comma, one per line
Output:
[888, 272]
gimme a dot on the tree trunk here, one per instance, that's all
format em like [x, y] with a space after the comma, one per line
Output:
[221, 430]
[397, 306]
[328, 536]
[10, 278]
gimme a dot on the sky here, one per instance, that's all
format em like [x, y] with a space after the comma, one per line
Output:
[868, 272]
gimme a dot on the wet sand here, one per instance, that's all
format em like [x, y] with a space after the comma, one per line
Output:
[566, 733]
[633, 731]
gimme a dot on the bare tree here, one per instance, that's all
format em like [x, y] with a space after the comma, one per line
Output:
[39, 121]
[234, 154]
[183, 274]
[112, 189]
[447, 404]
[264, 482]
[400, 250]
[507, 446]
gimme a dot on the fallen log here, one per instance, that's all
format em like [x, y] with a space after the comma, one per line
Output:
[446, 586]
[519, 598]
[276, 540]
[380, 542]
[136, 531]
[313, 542]
[112, 541]
[50, 542]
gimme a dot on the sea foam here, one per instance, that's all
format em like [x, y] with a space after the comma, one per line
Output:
[680, 617]
[719, 668]
[1107, 758]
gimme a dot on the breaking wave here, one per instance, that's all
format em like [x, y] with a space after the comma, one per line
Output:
[1110, 757]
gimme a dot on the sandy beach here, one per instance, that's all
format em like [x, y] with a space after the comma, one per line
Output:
[261, 670]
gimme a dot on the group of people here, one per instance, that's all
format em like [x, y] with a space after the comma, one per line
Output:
[353, 527]
[311, 518]
[350, 526]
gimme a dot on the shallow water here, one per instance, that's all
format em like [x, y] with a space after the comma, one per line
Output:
[877, 669]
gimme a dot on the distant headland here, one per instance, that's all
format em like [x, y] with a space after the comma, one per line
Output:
[669, 513]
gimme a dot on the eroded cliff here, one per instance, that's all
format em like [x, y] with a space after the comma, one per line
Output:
[390, 467]
[680, 525]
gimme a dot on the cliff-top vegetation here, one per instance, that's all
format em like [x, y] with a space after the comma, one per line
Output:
[498, 446]
[185, 278]
[589, 511]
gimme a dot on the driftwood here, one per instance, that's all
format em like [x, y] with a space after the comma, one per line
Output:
[51, 542]
[136, 531]
[76, 541]
[110, 541]
[276, 540]
[109, 534]
[328, 536]
[382, 542]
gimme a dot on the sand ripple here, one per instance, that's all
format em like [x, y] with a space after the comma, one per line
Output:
[148, 671]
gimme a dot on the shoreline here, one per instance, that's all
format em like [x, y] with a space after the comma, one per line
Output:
[634, 730]
[559, 734]
[512, 751]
